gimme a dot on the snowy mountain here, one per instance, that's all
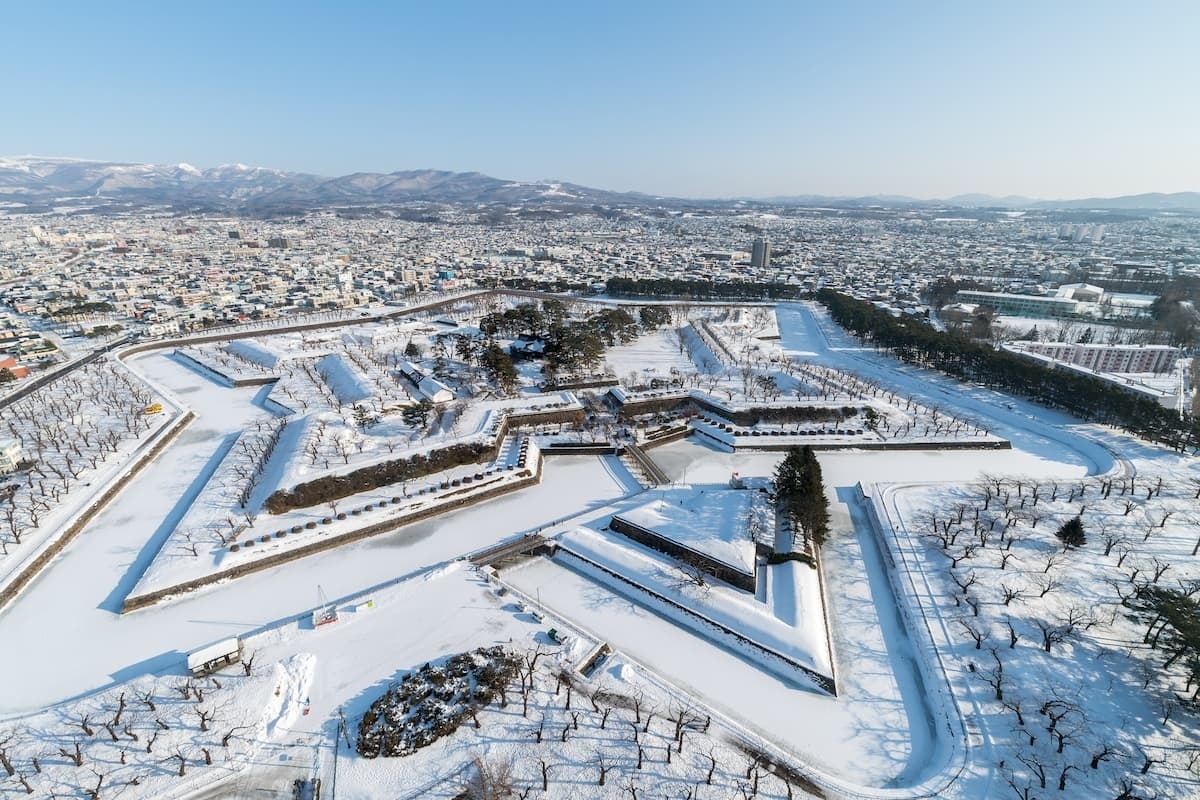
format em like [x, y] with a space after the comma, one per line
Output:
[39, 181]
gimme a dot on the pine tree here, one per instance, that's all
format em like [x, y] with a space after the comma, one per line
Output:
[800, 493]
[363, 417]
[1071, 533]
[815, 513]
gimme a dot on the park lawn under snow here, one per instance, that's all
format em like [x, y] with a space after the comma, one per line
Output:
[889, 725]
[462, 612]
[179, 563]
[654, 355]
[793, 626]
[86, 585]
[1077, 650]
[155, 736]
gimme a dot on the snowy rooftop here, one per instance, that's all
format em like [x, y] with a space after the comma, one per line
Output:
[710, 519]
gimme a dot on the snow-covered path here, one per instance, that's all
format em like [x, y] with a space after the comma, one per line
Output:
[1030, 427]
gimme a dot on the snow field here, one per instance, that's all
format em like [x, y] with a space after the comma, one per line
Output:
[657, 354]
[714, 520]
[802, 641]
[1069, 691]
[880, 731]
[507, 736]
[156, 735]
[85, 586]
[363, 510]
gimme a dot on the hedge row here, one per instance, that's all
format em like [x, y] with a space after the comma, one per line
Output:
[335, 487]
[780, 558]
[658, 405]
[748, 418]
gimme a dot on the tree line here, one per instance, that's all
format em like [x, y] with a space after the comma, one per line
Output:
[702, 289]
[335, 487]
[572, 344]
[1085, 396]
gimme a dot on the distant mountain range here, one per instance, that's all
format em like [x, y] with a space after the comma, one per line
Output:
[1152, 201]
[39, 182]
[31, 183]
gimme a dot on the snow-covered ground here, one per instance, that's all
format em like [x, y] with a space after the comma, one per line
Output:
[653, 355]
[713, 520]
[84, 588]
[157, 735]
[79, 435]
[911, 717]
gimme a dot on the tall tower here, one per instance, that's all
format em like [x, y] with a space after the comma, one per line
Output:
[761, 256]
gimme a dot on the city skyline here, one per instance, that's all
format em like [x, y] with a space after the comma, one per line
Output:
[928, 101]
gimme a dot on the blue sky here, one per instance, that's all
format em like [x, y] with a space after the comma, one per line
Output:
[695, 99]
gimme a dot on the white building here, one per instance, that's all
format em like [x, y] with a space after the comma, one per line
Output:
[1106, 357]
[435, 390]
[10, 455]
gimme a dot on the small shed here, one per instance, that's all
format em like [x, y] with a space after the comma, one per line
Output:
[215, 656]
[10, 455]
[435, 390]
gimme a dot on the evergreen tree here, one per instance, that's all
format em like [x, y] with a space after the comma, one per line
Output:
[417, 415]
[499, 366]
[814, 516]
[1071, 533]
[363, 417]
[800, 493]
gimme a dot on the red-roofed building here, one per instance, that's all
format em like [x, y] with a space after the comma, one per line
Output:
[9, 363]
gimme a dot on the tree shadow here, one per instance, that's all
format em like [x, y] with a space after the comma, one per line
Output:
[900, 649]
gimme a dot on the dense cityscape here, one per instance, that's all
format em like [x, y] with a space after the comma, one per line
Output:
[97, 276]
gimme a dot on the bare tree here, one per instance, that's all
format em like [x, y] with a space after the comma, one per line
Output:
[6, 738]
[233, 732]
[1047, 584]
[1033, 762]
[74, 756]
[995, 675]
[205, 716]
[488, 780]
[1011, 594]
[94, 793]
[974, 633]
[1013, 636]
